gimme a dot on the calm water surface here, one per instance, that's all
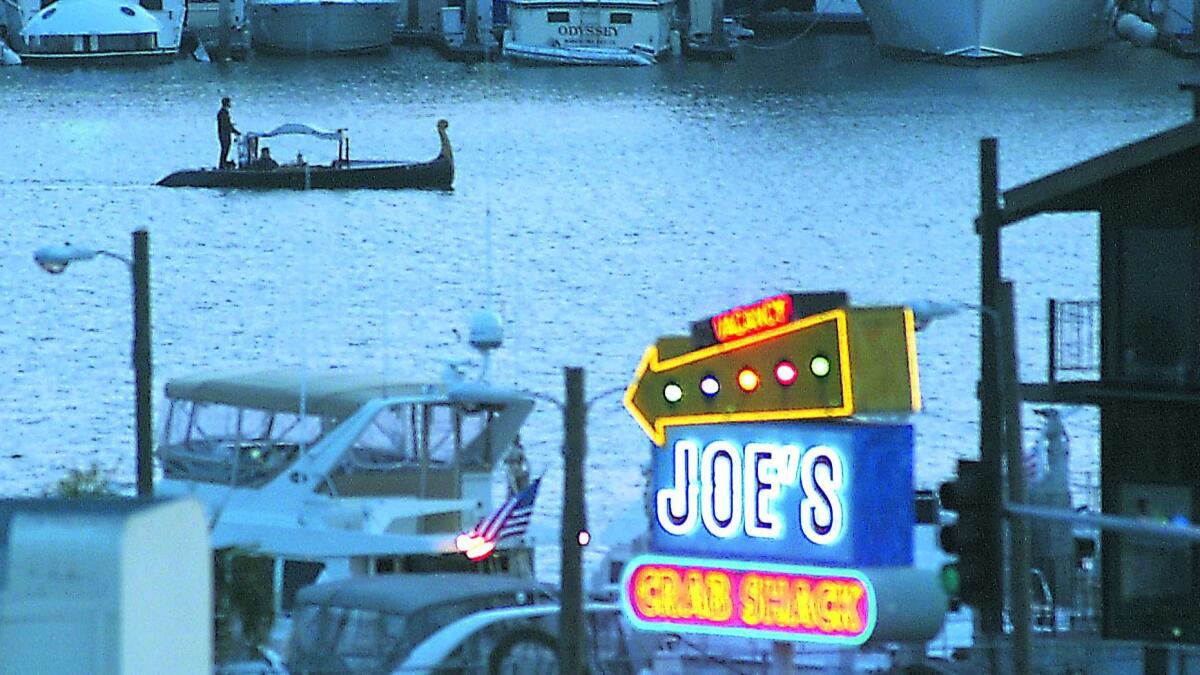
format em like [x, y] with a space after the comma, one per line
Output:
[595, 209]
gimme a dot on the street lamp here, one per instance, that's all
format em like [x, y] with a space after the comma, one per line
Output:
[1000, 437]
[54, 259]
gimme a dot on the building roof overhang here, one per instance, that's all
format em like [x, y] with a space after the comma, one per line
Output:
[1082, 187]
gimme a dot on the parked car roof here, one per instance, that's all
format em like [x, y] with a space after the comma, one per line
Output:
[435, 651]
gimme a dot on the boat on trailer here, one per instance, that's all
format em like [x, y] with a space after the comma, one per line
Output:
[341, 173]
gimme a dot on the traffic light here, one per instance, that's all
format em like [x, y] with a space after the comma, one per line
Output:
[975, 537]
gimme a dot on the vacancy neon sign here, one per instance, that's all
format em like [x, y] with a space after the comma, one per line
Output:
[750, 319]
[759, 600]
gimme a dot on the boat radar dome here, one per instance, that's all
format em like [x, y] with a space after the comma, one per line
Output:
[486, 332]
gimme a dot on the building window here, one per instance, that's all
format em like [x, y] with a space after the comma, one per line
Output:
[558, 17]
[620, 18]
[1159, 304]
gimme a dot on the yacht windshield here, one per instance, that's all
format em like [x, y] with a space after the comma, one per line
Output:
[215, 443]
[400, 434]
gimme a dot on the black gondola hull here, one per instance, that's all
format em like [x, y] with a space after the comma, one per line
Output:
[434, 175]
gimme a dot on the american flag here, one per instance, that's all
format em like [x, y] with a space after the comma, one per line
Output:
[510, 519]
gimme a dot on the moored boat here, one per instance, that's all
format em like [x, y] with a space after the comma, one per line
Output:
[341, 173]
[103, 30]
[577, 56]
[322, 26]
[981, 29]
[588, 32]
[337, 474]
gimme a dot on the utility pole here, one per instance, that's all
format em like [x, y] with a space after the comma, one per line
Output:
[1018, 528]
[571, 634]
[999, 410]
[142, 363]
[991, 422]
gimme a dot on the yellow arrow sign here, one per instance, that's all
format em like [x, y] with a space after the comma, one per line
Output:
[831, 364]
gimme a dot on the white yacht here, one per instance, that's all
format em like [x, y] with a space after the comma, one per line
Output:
[102, 30]
[980, 29]
[588, 32]
[322, 26]
[336, 474]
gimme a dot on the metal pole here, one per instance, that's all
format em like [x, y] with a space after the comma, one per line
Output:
[1018, 529]
[991, 428]
[1193, 87]
[1051, 341]
[224, 29]
[471, 7]
[718, 38]
[570, 623]
[1195, 23]
[1127, 526]
[783, 658]
[414, 15]
[142, 362]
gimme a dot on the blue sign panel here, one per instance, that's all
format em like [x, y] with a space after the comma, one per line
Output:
[835, 494]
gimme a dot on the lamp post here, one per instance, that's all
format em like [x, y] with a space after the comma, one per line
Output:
[54, 259]
[1000, 436]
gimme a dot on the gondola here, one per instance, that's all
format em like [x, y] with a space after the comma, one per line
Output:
[342, 173]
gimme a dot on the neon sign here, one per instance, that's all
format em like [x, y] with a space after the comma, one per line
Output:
[836, 364]
[750, 319]
[788, 492]
[737, 490]
[781, 602]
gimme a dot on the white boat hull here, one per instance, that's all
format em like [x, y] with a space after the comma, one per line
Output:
[988, 28]
[101, 31]
[576, 56]
[322, 27]
[7, 56]
[121, 57]
[614, 26]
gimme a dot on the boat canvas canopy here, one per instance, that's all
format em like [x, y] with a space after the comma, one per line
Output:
[328, 394]
[297, 129]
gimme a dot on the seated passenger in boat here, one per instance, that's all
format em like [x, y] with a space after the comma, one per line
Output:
[265, 162]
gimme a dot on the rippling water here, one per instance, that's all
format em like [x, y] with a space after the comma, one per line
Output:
[595, 209]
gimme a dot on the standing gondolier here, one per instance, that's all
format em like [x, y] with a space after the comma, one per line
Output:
[225, 132]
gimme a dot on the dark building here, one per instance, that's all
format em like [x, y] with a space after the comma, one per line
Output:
[1143, 340]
